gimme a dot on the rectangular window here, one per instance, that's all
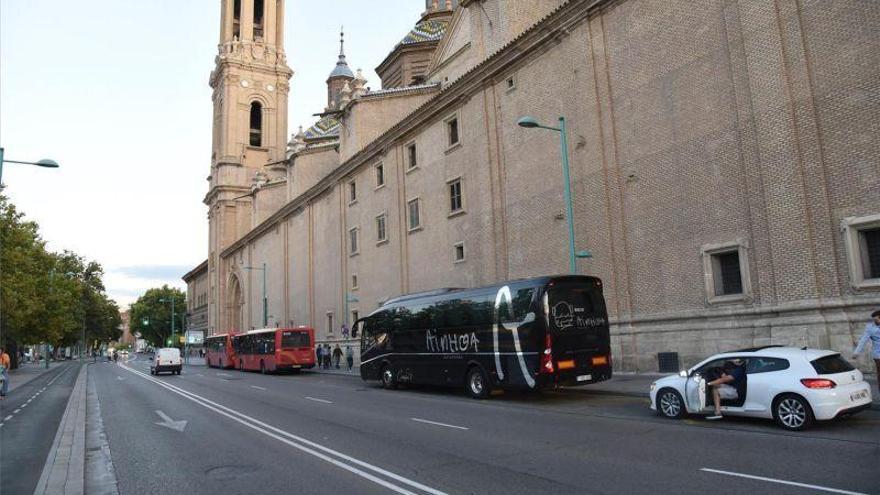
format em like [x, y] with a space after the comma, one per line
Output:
[380, 175]
[869, 242]
[353, 241]
[355, 315]
[728, 279]
[452, 131]
[413, 214]
[352, 192]
[455, 203]
[459, 252]
[411, 161]
[381, 234]
[354, 282]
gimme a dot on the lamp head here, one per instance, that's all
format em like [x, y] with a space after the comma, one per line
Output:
[528, 122]
[45, 162]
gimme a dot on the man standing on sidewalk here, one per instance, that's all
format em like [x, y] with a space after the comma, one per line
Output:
[872, 333]
[5, 363]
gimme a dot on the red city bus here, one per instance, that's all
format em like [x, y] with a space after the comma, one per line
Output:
[220, 353]
[275, 349]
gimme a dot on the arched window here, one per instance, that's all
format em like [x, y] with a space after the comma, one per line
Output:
[258, 19]
[236, 19]
[256, 124]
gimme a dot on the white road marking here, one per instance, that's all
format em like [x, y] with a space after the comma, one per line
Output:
[24, 405]
[782, 482]
[319, 400]
[167, 422]
[7, 418]
[16, 411]
[259, 388]
[339, 459]
[439, 424]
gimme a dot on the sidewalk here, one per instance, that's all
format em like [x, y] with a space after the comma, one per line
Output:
[27, 372]
[623, 383]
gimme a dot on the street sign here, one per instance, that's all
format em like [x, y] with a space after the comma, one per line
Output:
[195, 337]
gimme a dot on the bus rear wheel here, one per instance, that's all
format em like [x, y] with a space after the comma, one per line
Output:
[477, 383]
[388, 380]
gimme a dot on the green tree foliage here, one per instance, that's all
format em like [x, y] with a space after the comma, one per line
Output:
[151, 314]
[49, 297]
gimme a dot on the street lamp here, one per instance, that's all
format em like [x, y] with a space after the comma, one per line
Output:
[532, 123]
[163, 300]
[265, 301]
[45, 162]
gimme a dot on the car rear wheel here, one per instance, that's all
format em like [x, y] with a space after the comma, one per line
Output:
[477, 383]
[670, 404]
[388, 380]
[792, 412]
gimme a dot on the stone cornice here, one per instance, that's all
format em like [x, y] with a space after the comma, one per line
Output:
[546, 31]
[195, 272]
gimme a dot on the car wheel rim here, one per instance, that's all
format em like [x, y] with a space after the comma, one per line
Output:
[669, 404]
[476, 383]
[792, 413]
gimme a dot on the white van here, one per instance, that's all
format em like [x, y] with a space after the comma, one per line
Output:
[166, 359]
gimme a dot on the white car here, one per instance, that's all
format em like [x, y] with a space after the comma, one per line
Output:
[166, 359]
[790, 385]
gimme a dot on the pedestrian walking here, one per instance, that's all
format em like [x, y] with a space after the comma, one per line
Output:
[319, 356]
[349, 357]
[327, 353]
[872, 333]
[337, 356]
[4, 372]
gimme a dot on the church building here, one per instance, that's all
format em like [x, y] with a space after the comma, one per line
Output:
[724, 169]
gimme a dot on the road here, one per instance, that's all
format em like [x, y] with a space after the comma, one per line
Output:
[29, 418]
[319, 433]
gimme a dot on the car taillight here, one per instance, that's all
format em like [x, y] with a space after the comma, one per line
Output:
[818, 383]
[547, 356]
[600, 361]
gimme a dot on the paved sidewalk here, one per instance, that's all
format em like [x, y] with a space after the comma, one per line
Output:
[27, 372]
[623, 383]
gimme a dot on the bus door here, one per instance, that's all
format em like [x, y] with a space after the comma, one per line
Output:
[578, 325]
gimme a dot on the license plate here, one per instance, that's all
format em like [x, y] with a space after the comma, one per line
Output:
[584, 378]
[861, 394]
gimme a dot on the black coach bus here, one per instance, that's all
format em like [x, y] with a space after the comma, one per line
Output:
[524, 334]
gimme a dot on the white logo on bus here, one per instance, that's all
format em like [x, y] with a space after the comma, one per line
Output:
[504, 296]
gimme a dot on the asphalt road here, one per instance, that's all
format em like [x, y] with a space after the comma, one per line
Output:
[314, 433]
[30, 417]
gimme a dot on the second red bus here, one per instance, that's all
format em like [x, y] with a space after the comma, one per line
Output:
[274, 349]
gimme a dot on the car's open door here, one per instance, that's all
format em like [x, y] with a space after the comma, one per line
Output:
[695, 388]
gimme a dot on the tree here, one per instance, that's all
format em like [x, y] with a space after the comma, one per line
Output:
[151, 314]
[49, 297]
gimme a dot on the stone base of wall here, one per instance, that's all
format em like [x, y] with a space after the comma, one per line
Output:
[834, 324]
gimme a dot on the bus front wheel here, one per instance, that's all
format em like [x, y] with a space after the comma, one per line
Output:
[388, 380]
[477, 383]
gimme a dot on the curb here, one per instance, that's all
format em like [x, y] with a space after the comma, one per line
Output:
[64, 471]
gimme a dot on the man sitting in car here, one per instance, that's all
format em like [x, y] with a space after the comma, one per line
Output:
[725, 386]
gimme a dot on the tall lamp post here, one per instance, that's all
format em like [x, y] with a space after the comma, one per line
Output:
[265, 301]
[532, 123]
[163, 300]
[45, 162]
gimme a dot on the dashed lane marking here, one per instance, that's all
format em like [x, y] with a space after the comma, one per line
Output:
[319, 400]
[781, 482]
[259, 388]
[439, 424]
[7, 418]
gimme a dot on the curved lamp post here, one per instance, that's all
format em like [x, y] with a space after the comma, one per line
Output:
[532, 123]
[45, 162]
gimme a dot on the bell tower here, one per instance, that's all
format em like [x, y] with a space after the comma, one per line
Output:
[251, 83]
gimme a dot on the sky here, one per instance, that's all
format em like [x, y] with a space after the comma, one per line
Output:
[117, 92]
